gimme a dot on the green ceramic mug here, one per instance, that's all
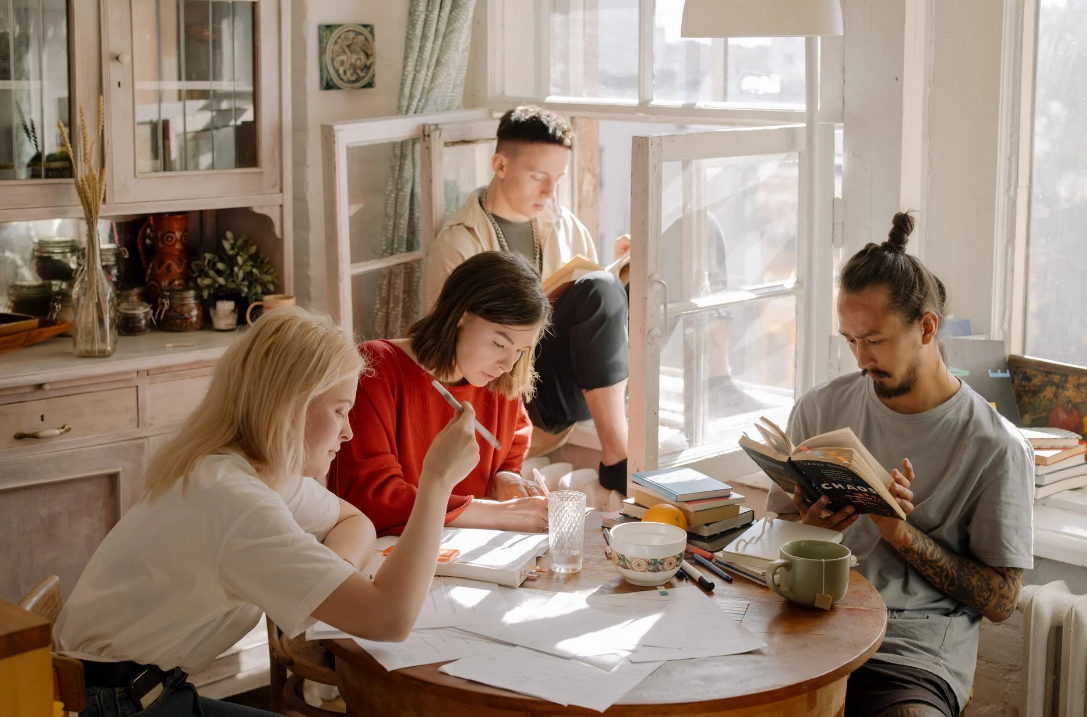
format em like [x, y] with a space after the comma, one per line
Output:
[810, 569]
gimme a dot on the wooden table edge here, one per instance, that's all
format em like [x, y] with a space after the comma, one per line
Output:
[498, 698]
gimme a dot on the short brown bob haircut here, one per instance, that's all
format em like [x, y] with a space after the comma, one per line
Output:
[497, 286]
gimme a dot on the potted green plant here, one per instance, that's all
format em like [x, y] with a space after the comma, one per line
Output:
[238, 274]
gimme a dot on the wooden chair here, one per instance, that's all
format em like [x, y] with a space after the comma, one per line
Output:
[543, 442]
[45, 600]
[294, 660]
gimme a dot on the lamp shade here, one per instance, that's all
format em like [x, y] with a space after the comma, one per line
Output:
[761, 18]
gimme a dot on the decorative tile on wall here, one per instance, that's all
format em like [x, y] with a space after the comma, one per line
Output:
[347, 57]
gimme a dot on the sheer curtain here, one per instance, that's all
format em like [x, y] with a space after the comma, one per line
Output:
[435, 63]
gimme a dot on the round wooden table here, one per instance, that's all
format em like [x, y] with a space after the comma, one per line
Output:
[802, 670]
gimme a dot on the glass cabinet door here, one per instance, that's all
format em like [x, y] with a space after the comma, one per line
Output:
[196, 84]
[35, 93]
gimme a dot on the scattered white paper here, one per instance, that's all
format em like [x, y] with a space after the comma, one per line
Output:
[423, 648]
[565, 682]
[711, 632]
[452, 602]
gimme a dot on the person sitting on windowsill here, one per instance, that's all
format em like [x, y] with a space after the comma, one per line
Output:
[479, 341]
[582, 361]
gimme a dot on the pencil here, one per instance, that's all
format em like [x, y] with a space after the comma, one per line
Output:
[540, 482]
[487, 435]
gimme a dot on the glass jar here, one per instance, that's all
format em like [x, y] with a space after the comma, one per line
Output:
[111, 263]
[131, 295]
[181, 311]
[34, 298]
[135, 318]
[57, 258]
[63, 308]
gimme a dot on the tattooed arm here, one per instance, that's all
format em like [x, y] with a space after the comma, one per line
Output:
[993, 592]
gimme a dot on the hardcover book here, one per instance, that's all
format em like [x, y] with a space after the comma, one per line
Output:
[834, 464]
[682, 484]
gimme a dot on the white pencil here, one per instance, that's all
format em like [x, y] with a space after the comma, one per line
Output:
[487, 435]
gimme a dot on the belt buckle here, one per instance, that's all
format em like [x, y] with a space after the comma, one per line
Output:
[145, 688]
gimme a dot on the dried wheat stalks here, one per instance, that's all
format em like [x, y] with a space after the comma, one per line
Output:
[90, 185]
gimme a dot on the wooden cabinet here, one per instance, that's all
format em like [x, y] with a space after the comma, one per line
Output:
[196, 104]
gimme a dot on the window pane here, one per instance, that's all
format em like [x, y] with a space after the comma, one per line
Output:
[193, 65]
[383, 213]
[384, 303]
[571, 48]
[465, 168]
[763, 71]
[722, 369]
[729, 224]
[33, 88]
[1057, 252]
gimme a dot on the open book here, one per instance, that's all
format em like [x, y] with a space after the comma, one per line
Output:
[557, 284]
[834, 464]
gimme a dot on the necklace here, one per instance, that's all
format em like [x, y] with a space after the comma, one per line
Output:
[538, 254]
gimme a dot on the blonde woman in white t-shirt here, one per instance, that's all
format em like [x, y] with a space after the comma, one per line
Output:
[229, 528]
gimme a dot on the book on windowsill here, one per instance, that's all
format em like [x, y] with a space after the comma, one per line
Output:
[682, 485]
[834, 464]
[1050, 437]
[1064, 470]
[557, 284]
[1062, 485]
[1047, 457]
[1074, 461]
[694, 513]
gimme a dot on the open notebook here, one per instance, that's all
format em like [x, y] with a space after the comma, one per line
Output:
[490, 556]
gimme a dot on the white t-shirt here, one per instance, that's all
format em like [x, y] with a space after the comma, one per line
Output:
[181, 579]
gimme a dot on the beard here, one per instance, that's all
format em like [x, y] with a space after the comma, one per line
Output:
[901, 389]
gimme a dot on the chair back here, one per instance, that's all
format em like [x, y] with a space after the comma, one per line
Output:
[45, 600]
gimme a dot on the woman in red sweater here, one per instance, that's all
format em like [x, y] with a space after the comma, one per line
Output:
[479, 341]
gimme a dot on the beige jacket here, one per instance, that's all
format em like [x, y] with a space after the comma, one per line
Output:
[469, 232]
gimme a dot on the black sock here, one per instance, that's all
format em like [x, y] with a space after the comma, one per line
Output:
[614, 477]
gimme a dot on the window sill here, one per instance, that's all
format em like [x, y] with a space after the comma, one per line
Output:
[1060, 527]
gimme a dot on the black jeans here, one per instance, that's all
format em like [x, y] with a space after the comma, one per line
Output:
[178, 700]
[585, 348]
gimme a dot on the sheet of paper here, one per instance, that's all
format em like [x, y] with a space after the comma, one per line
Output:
[452, 602]
[422, 648]
[566, 682]
[564, 624]
[710, 632]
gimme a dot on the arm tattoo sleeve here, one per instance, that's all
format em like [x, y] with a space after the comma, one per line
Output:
[993, 592]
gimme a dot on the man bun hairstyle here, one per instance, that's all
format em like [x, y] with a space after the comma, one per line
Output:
[912, 290]
[529, 123]
[497, 286]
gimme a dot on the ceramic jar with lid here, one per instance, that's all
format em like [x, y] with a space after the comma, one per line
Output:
[57, 258]
[63, 308]
[34, 298]
[135, 318]
[182, 311]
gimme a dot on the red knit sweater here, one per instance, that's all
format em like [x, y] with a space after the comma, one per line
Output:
[396, 416]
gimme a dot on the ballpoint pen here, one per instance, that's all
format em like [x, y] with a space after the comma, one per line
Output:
[487, 435]
[713, 568]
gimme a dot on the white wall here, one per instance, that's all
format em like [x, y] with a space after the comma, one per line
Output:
[313, 107]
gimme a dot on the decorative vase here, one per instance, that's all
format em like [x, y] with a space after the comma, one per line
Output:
[95, 302]
[168, 266]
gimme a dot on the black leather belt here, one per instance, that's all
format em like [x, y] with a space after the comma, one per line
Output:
[144, 683]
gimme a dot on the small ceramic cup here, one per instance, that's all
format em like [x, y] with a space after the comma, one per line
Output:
[269, 302]
[813, 573]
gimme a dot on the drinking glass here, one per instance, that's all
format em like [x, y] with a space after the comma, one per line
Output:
[566, 529]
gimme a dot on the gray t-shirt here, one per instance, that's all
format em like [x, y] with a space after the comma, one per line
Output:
[518, 236]
[973, 493]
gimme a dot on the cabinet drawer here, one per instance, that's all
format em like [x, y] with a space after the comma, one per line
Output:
[89, 414]
[171, 401]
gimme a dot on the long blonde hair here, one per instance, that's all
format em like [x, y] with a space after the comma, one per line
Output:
[257, 400]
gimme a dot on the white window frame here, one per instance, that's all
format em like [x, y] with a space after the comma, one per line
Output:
[336, 139]
[649, 300]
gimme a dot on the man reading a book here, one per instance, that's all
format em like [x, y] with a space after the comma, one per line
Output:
[582, 360]
[966, 485]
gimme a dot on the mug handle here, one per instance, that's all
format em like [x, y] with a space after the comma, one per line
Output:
[249, 311]
[771, 570]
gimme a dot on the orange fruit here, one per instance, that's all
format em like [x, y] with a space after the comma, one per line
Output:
[664, 513]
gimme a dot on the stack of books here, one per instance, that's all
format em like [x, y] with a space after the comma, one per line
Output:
[1058, 460]
[714, 513]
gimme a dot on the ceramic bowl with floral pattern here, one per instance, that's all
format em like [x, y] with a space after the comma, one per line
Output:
[647, 553]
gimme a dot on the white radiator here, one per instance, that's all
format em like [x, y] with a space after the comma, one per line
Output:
[1054, 651]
